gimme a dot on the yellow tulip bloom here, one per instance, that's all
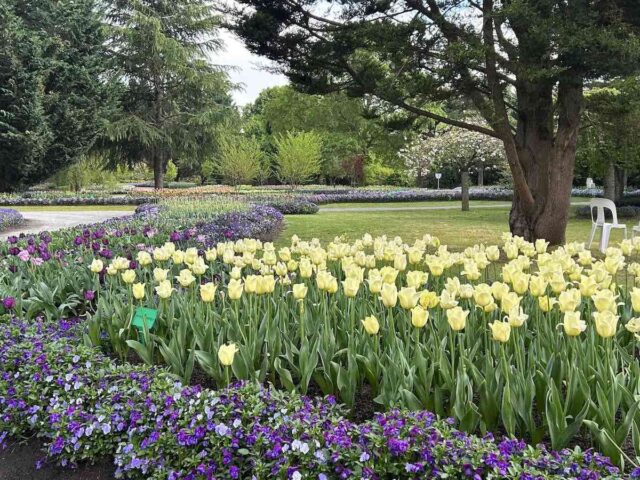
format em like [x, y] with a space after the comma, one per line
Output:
[160, 274]
[350, 287]
[546, 303]
[165, 289]
[606, 323]
[635, 299]
[419, 316]
[96, 266]
[501, 331]
[389, 295]
[138, 291]
[428, 299]
[234, 289]
[129, 276]
[633, 325]
[226, 353]
[572, 324]
[408, 297]
[569, 300]
[208, 292]
[371, 325]
[457, 318]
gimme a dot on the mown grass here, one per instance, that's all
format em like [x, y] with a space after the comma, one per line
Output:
[453, 227]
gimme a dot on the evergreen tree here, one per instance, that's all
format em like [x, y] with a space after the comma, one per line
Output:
[172, 96]
[52, 94]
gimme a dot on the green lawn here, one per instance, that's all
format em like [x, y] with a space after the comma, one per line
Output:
[75, 208]
[438, 203]
[453, 227]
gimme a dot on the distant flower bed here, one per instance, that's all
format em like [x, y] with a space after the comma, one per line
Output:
[85, 406]
[15, 201]
[9, 218]
[167, 185]
[289, 205]
[409, 195]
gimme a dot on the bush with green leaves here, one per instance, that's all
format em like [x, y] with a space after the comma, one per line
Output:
[240, 159]
[299, 157]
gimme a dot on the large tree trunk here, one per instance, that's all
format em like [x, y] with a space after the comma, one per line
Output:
[481, 174]
[158, 170]
[465, 190]
[547, 159]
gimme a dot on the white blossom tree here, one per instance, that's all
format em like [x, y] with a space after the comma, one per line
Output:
[464, 150]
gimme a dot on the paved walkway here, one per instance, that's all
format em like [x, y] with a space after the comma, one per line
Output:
[36, 222]
[423, 207]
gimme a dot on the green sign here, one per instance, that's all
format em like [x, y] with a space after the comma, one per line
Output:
[144, 316]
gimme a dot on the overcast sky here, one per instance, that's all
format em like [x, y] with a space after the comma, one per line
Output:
[248, 70]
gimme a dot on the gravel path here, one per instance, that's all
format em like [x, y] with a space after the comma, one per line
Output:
[38, 221]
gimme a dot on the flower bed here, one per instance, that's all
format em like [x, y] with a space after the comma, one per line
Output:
[84, 406]
[9, 218]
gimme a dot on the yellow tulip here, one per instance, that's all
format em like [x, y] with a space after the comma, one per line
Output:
[198, 267]
[266, 284]
[299, 291]
[482, 295]
[633, 325]
[501, 331]
[499, 290]
[569, 300]
[493, 253]
[606, 323]
[572, 324]
[604, 300]
[185, 278]
[510, 301]
[429, 299]
[517, 317]
[416, 279]
[546, 303]
[144, 258]
[447, 300]
[97, 266]
[281, 269]
[306, 270]
[371, 325]
[466, 291]
[208, 292]
[537, 286]
[211, 255]
[111, 270]
[541, 245]
[375, 285]
[635, 299]
[120, 263]
[408, 297]
[251, 283]
[332, 285]
[234, 289]
[457, 318]
[191, 255]
[159, 274]
[129, 276]
[419, 316]
[165, 289]
[169, 247]
[351, 287]
[388, 274]
[138, 291]
[491, 307]
[436, 266]
[400, 262]
[178, 257]
[389, 295]
[160, 254]
[226, 353]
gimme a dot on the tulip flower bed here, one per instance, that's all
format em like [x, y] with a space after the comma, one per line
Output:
[542, 347]
[84, 406]
[9, 218]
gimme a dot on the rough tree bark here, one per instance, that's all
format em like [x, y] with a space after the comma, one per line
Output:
[614, 182]
[481, 175]
[158, 169]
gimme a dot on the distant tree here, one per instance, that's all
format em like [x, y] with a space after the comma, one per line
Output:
[299, 157]
[53, 96]
[239, 160]
[172, 96]
[351, 128]
[608, 144]
[464, 150]
[522, 64]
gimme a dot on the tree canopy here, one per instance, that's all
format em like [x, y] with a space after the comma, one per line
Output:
[522, 64]
[52, 97]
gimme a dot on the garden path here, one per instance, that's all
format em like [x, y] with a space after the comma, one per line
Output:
[39, 221]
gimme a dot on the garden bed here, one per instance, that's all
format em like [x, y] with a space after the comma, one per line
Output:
[9, 218]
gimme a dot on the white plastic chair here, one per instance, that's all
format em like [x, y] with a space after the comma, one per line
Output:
[600, 204]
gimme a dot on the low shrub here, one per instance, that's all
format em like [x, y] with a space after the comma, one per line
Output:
[630, 212]
[84, 406]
